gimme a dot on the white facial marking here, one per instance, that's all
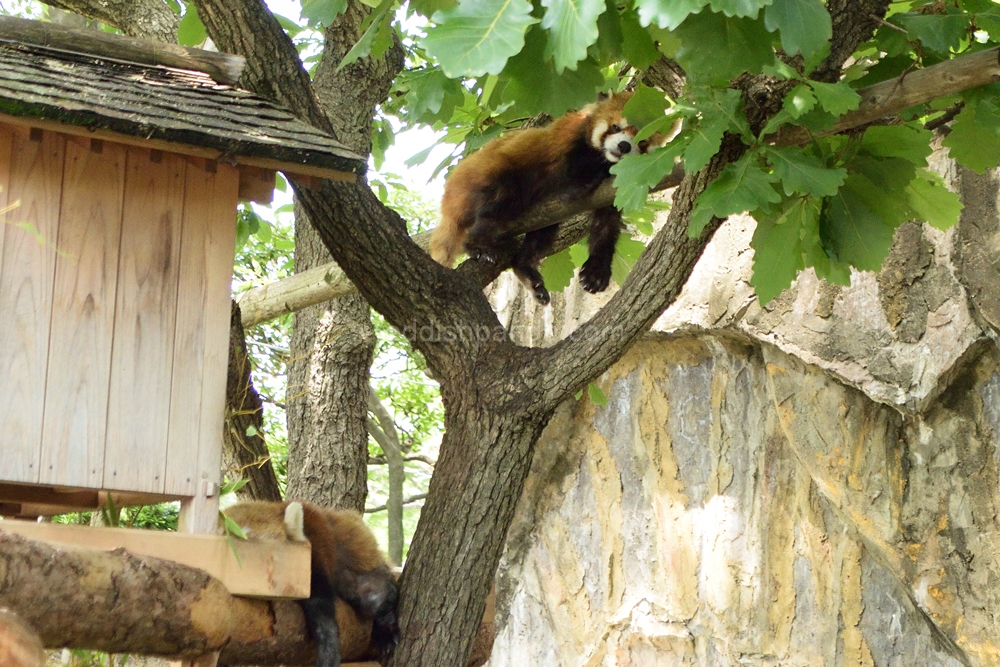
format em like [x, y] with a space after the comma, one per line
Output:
[595, 135]
[612, 146]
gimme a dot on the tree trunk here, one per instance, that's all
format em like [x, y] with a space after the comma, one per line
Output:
[332, 344]
[485, 457]
[244, 453]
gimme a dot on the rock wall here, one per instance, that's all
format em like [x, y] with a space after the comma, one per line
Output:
[811, 483]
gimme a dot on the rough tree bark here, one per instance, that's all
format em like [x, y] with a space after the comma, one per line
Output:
[332, 344]
[148, 19]
[244, 453]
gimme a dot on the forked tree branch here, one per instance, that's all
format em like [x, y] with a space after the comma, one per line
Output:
[887, 98]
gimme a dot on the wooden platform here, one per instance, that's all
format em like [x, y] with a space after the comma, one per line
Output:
[266, 569]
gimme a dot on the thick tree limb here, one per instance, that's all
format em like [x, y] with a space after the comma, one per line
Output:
[878, 101]
[147, 19]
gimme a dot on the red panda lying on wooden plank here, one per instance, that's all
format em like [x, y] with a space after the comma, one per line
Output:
[346, 564]
[497, 184]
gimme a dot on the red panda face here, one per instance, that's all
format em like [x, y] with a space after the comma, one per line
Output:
[614, 139]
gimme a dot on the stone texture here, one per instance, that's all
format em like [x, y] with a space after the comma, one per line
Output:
[810, 483]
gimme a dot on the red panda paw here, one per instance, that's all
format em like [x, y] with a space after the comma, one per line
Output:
[486, 256]
[541, 294]
[595, 277]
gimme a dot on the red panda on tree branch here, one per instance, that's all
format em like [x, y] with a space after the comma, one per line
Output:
[497, 184]
[346, 564]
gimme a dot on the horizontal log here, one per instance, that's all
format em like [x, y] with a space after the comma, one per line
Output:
[223, 67]
[325, 282]
[121, 602]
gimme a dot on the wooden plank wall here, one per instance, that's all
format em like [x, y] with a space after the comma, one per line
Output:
[29, 257]
[201, 342]
[83, 314]
[115, 314]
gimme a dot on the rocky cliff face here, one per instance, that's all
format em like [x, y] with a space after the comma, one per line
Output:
[814, 483]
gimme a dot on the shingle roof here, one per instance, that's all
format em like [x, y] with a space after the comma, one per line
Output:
[162, 103]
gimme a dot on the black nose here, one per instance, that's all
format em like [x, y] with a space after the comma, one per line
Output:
[624, 147]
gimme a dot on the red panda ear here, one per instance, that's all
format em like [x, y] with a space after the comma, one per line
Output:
[602, 96]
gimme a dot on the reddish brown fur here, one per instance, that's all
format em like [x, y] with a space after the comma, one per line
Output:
[340, 539]
[346, 565]
[538, 151]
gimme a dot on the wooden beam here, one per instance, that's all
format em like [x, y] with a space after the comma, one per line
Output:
[256, 185]
[268, 569]
[287, 168]
[223, 67]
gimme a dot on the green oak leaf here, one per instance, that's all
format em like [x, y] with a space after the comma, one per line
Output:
[572, 26]
[667, 13]
[609, 38]
[910, 142]
[322, 12]
[429, 8]
[805, 25]
[856, 224]
[595, 394]
[432, 96]
[716, 48]
[663, 124]
[627, 252]
[937, 32]
[778, 243]
[742, 186]
[741, 8]
[975, 135]
[991, 24]
[636, 174]
[557, 271]
[191, 31]
[932, 201]
[716, 118]
[799, 101]
[377, 37]
[478, 36]
[835, 98]
[638, 46]
[646, 106]
[532, 85]
[803, 173]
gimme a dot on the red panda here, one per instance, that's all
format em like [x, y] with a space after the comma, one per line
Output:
[494, 186]
[346, 564]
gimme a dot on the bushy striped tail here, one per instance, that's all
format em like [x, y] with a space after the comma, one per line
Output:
[447, 242]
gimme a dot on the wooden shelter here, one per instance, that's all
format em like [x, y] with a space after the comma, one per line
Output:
[119, 182]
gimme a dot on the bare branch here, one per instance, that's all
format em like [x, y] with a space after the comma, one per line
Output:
[408, 501]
